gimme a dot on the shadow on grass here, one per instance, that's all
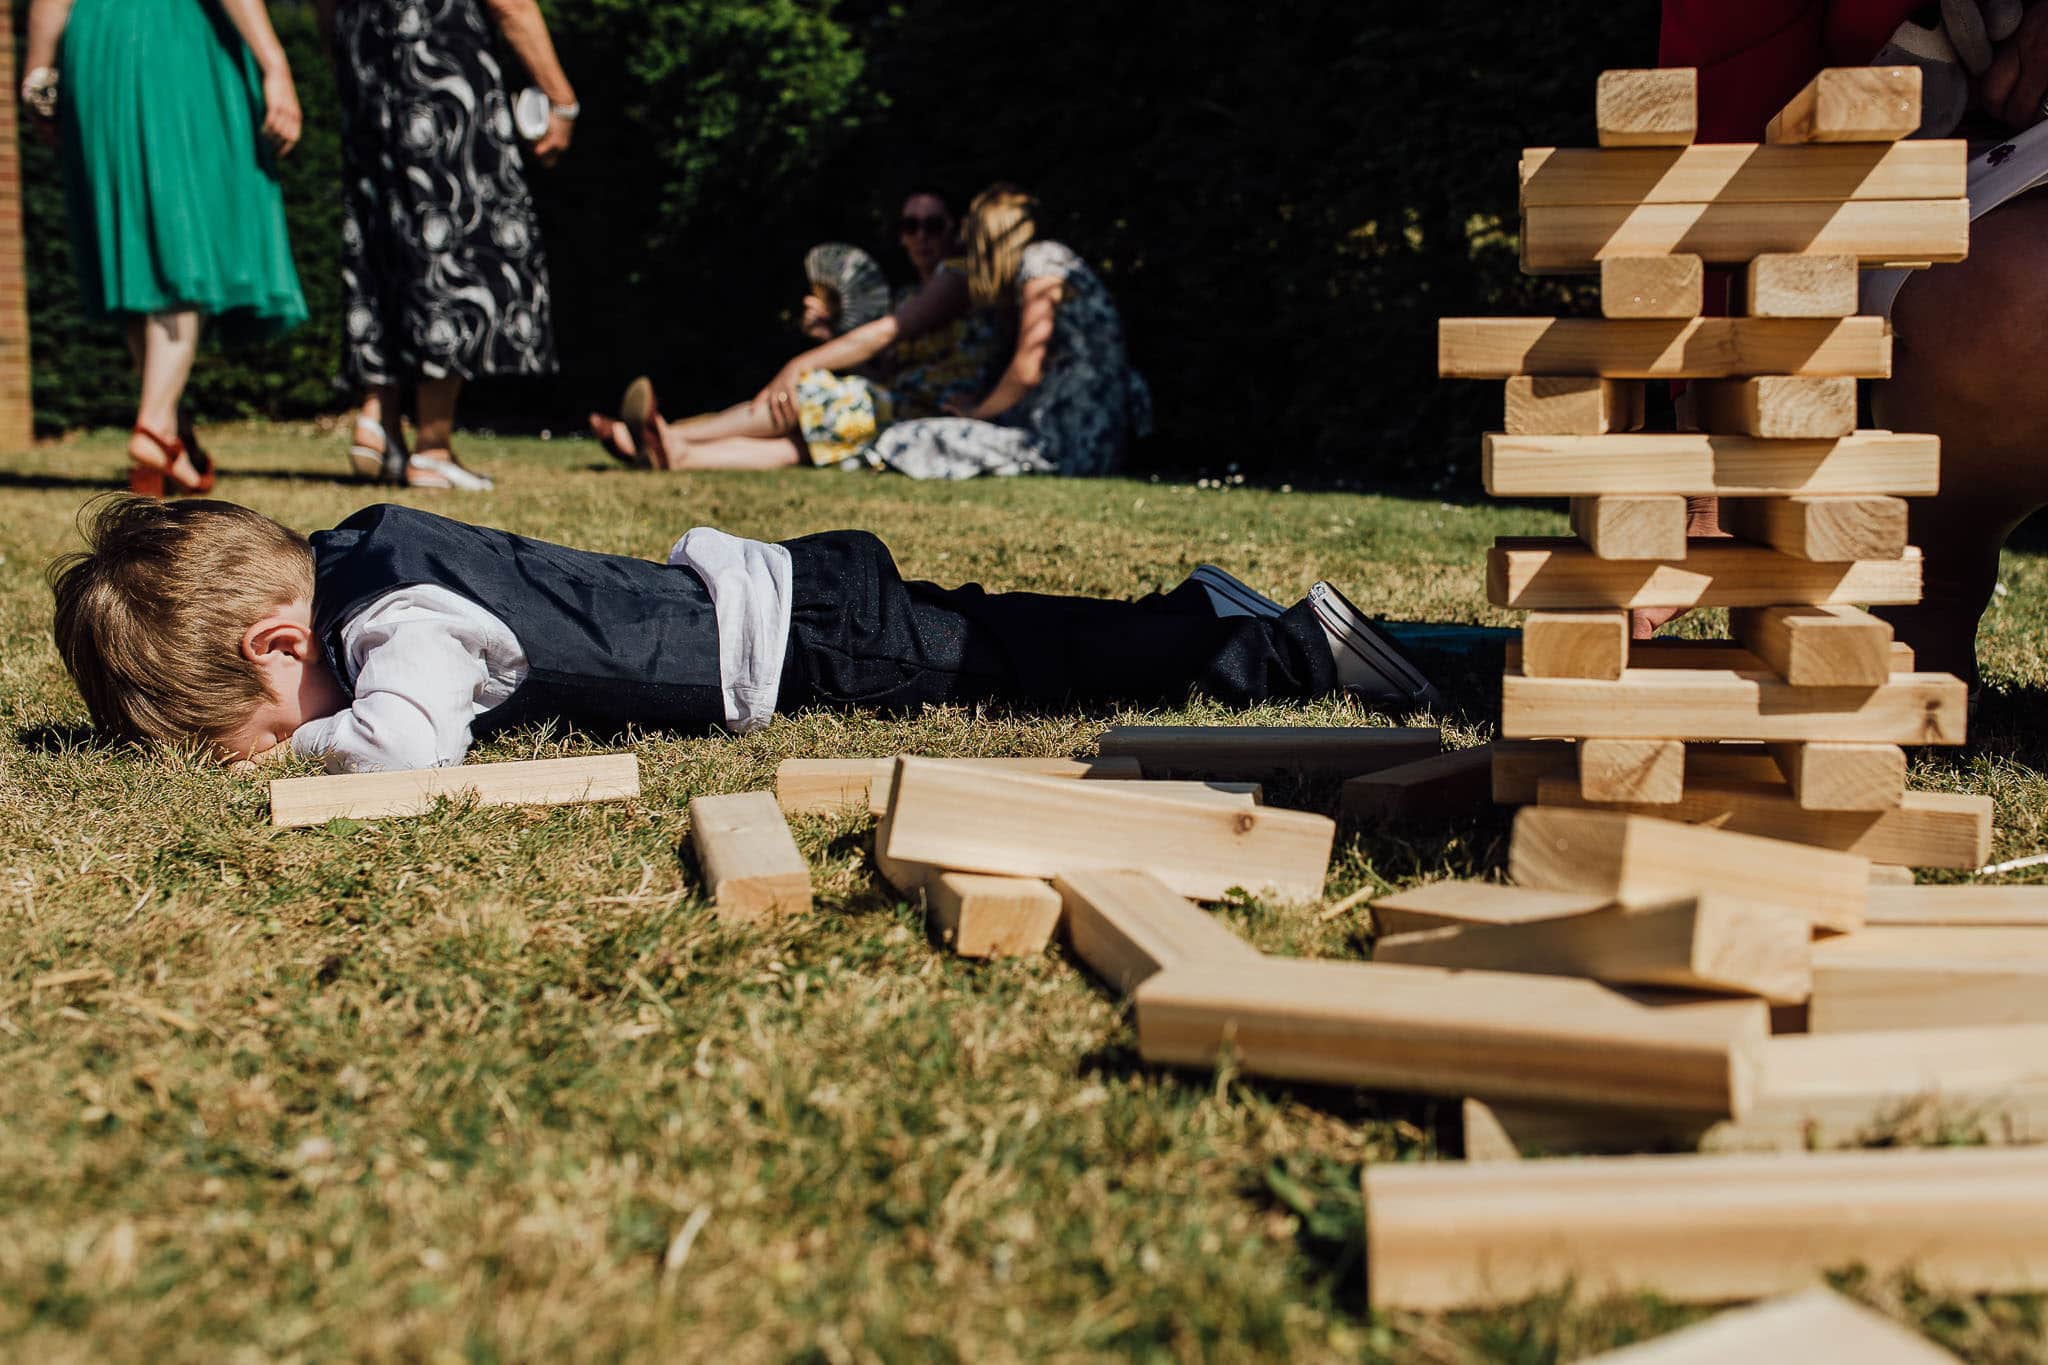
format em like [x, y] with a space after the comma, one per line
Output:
[63, 737]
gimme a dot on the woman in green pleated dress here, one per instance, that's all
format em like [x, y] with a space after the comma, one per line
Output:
[164, 109]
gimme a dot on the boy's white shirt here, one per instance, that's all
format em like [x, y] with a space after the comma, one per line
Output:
[424, 662]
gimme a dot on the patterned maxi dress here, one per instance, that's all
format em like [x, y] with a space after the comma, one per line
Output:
[1078, 421]
[441, 255]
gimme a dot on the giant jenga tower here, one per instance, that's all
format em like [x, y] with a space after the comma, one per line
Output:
[1794, 728]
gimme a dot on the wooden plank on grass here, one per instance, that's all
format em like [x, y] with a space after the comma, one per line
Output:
[1538, 405]
[1640, 862]
[1709, 942]
[1681, 703]
[1444, 785]
[1436, 1032]
[1820, 527]
[1642, 348]
[1652, 286]
[1739, 172]
[1444, 1235]
[1253, 751]
[1648, 772]
[1957, 906]
[827, 785]
[1841, 775]
[1777, 407]
[1786, 284]
[1925, 829]
[1631, 526]
[1699, 465]
[1898, 977]
[1576, 238]
[1818, 1324]
[1558, 573]
[981, 916]
[298, 801]
[980, 821]
[1129, 926]
[1817, 646]
[1575, 644]
[1851, 104]
[751, 865]
[1451, 904]
[1647, 107]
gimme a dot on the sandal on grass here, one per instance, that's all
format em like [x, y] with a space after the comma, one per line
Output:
[445, 471]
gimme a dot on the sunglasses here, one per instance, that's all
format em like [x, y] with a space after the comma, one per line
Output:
[936, 225]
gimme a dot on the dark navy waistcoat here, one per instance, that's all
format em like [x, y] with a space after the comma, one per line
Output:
[610, 641]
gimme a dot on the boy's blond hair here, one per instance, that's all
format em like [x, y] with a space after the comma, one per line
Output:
[1001, 222]
[150, 615]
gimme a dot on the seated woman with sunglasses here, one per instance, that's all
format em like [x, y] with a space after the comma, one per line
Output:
[829, 404]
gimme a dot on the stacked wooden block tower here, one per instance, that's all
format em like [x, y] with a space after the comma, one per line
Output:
[1814, 694]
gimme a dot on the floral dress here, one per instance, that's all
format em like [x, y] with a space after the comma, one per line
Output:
[1080, 418]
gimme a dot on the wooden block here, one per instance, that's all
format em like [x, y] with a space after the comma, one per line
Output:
[1851, 104]
[1653, 286]
[1699, 465]
[1642, 348]
[751, 865]
[1725, 654]
[1575, 644]
[1459, 782]
[1631, 526]
[298, 801]
[1903, 977]
[981, 821]
[1576, 238]
[1681, 703]
[1429, 1031]
[1649, 772]
[1817, 1324]
[1778, 407]
[1520, 764]
[982, 916]
[1840, 775]
[1733, 172]
[1537, 405]
[1830, 529]
[1453, 904]
[1984, 906]
[1549, 573]
[1251, 751]
[1100, 769]
[1653, 107]
[1443, 1235]
[1709, 942]
[1881, 875]
[1640, 862]
[1819, 646]
[1785, 284]
[1129, 926]
[1926, 829]
[827, 785]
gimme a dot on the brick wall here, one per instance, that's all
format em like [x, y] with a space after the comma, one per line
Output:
[16, 406]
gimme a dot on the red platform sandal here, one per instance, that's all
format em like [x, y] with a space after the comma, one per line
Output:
[157, 481]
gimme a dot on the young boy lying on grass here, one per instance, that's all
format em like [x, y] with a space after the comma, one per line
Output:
[396, 638]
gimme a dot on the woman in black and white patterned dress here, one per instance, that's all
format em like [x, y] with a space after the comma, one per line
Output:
[442, 266]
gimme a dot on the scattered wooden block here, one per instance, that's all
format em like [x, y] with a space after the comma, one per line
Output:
[1653, 107]
[1443, 905]
[1251, 751]
[982, 916]
[1851, 104]
[1575, 644]
[1648, 772]
[1925, 829]
[1129, 926]
[1734, 172]
[1640, 862]
[1840, 775]
[1445, 1235]
[1776, 407]
[1449, 784]
[981, 821]
[1576, 238]
[1708, 942]
[1782, 284]
[1818, 1324]
[1832, 529]
[1881, 875]
[828, 785]
[1699, 465]
[1653, 286]
[1435, 1032]
[1551, 573]
[1945, 977]
[1676, 703]
[1537, 405]
[296, 801]
[751, 865]
[1642, 348]
[2011, 907]
[1818, 646]
[1631, 526]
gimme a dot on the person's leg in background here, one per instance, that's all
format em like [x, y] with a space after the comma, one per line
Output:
[433, 461]
[164, 346]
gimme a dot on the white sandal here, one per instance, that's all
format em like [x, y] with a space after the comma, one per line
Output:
[384, 462]
[450, 474]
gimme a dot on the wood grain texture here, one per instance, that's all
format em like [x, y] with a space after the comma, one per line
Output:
[752, 867]
[1672, 286]
[1686, 703]
[1738, 172]
[1539, 405]
[982, 916]
[1640, 348]
[1838, 775]
[1648, 772]
[1631, 525]
[1817, 1324]
[1905, 977]
[1129, 926]
[1521, 765]
[1544, 573]
[828, 785]
[1781, 284]
[1817, 646]
[298, 801]
[1826, 528]
[1449, 904]
[1779, 407]
[1652, 107]
[1254, 751]
[1696, 464]
[1851, 104]
[1575, 644]
[1958, 906]
[1576, 238]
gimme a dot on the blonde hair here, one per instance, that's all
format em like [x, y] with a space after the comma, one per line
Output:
[1000, 223]
[150, 614]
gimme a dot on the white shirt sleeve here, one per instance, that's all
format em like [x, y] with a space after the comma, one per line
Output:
[751, 587]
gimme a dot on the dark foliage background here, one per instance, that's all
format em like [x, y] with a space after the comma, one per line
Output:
[1282, 197]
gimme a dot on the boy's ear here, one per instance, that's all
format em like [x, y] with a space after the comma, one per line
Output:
[277, 634]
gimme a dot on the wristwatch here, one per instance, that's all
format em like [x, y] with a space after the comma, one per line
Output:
[569, 111]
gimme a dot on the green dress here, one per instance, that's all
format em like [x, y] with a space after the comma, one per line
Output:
[173, 192]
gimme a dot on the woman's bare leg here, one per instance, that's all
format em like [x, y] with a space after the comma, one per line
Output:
[733, 452]
[434, 417]
[170, 341]
[738, 420]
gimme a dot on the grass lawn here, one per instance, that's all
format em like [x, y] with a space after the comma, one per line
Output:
[491, 1084]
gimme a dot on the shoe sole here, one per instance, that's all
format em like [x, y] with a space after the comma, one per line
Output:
[1236, 591]
[1349, 625]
